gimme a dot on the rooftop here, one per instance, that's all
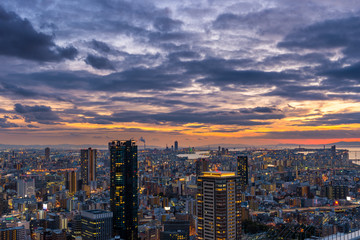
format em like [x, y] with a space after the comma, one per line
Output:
[218, 174]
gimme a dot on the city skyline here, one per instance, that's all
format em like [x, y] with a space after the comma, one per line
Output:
[251, 72]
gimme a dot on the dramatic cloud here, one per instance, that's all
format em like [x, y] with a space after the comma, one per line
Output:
[252, 70]
[99, 62]
[37, 113]
[5, 124]
[18, 38]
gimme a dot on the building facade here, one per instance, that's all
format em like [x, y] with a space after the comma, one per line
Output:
[124, 188]
[96, 225]
[88, 166]
[243, 170]
[219, 206]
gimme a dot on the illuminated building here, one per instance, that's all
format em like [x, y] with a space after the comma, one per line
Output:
[218, 206]
[96, 225]
[124, 188]
[14, 233]
[72, 182]
[88, 167]
[242, 170]
[202, 165]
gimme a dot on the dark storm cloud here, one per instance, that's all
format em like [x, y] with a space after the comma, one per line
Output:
[268, 21]
[4, 123]
[16, 92]
[258, 110]
[350, 72]
[190, 116]
[37, 113]
[157, 101]
[329, 34]
[224, 77]
[334, 119]
[100, 46]
[298, 92]
[19, 39]
[131, 80]
[99, 62]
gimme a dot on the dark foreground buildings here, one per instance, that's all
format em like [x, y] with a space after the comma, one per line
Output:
[123, 188]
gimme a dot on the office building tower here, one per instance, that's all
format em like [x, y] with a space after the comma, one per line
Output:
[176, 145]
[76, 226]
[219, 206]
[47, 154]
[242, 171]
[202, 165]
[124, 188]
[72, 182]
[26, 188]
[96, 224]
[14, 233]
[88, 167]
[176, 230]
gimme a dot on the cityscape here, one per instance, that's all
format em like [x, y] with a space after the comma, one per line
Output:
[186, 120]
[133, 192]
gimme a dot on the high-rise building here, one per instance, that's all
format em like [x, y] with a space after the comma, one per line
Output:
[96, 224]
[202, 165]
[13, 233]
[124, 188]
[47, 154]
[26, 188]
[219, 206]
[242, 170]
[88, 167]
[176, 145]
[72, 182]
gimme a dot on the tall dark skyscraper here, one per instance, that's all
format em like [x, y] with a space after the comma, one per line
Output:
[47, 154]
[88, 166]
[242, 170]
[124, 188]
[202, 165]
[176, 145]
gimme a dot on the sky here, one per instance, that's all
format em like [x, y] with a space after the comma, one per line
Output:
[201, 72]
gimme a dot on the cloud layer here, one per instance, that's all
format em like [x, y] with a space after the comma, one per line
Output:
[217, 72]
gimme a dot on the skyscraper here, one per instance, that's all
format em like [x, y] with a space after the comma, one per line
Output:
[96, 224]
[176, 145]
[219, 206]
[202, 165]
[47, 154]
[26, 187]
[124, 188]
[72, 181]
[242, 170]
[88, 167]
